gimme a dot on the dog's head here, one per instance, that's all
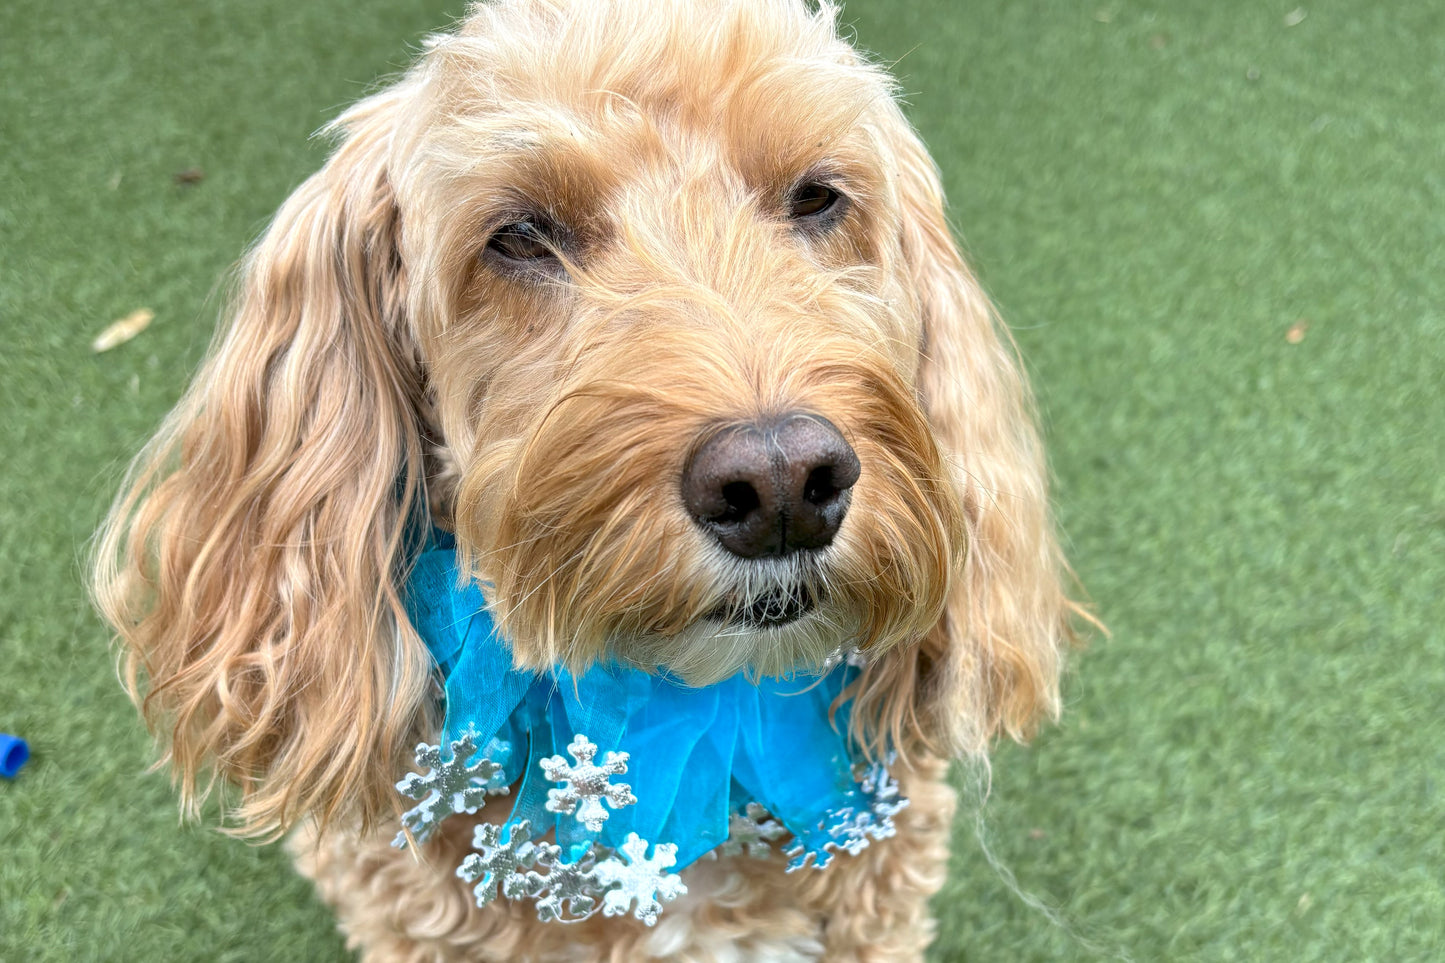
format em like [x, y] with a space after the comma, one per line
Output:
[654, 304]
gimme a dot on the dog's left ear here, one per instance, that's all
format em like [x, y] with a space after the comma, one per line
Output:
[250, 567]
[992, 665]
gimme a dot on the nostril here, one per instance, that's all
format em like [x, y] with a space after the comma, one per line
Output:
[740, 500]
[819, 488]
[817, 470]
[727, 487]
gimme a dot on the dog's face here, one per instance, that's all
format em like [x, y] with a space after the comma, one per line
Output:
[671, 337]
[655, 305]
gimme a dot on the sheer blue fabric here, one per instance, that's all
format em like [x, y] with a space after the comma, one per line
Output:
[697, 754]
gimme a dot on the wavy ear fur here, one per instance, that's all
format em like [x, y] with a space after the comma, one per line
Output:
[992, 665]
[249, 566]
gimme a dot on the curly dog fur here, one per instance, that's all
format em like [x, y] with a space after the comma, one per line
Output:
[576, 240]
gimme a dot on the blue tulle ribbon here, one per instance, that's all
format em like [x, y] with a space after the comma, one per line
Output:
[697, 754]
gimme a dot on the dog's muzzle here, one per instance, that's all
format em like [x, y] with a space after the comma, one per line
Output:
[772, 489]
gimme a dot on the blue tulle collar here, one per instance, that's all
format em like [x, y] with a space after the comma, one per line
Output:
[617, 763]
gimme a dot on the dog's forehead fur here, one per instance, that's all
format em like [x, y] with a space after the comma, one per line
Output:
[653, 118]
[686, 61]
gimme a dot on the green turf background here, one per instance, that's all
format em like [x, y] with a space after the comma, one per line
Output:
[1250, 769]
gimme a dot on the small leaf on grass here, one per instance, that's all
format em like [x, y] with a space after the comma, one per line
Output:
[119, 332]
[1295, 17]
[189, 176]
[1296, 332]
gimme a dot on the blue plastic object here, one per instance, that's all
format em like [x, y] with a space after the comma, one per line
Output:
[13, 753]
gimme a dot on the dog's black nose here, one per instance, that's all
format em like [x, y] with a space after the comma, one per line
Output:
[772, 488]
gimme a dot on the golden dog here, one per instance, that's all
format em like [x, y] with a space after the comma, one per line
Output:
[654, 304]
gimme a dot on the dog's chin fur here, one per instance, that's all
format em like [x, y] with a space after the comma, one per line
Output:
[711, 650]
[385, 368]
[777, 617]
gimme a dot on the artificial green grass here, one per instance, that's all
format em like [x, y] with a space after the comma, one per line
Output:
[1248, 769]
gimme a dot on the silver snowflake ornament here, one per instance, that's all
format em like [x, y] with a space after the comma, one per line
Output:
[844, 830]
[585, 786]
[504, 862]
[448, 786]
[641, 880]
[752, 832]
[568, 891]
[803, 853]
[884, 800]
[851, 830]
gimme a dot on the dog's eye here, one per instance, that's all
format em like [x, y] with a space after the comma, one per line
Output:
[524, 241]
[812, 200]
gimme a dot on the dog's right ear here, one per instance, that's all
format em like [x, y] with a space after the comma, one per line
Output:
[992, 665]
[249, 566]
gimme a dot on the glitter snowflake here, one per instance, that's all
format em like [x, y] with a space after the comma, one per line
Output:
[884, 799]
[751, 832]
[814, 848]
[567, 891]
[640, 879]
[502, 862]
[585, 786]
[448, 786]
[851, 828]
